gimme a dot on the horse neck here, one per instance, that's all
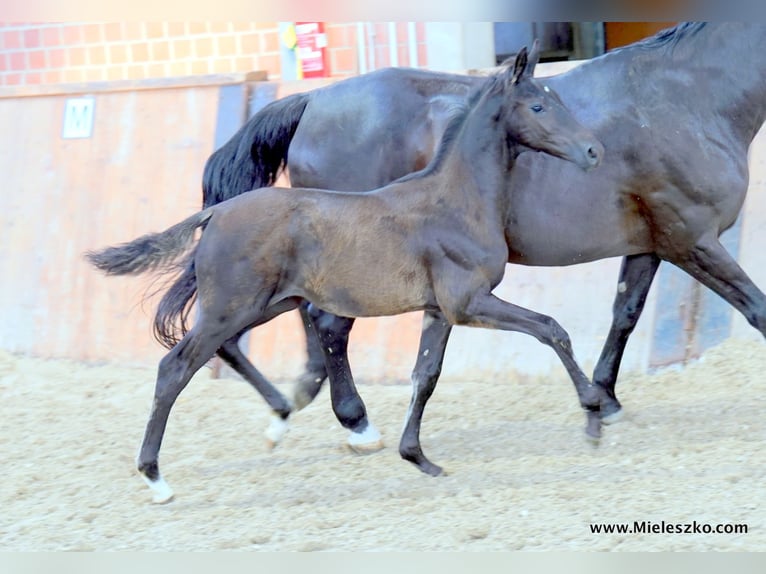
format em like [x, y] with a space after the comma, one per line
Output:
[736, 51]
[723, 61]
[481, 159]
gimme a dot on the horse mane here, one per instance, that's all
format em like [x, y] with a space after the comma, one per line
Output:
[667, 38]
[492, 84]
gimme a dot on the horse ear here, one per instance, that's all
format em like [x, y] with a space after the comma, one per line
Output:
[519, 66]
[534, 57]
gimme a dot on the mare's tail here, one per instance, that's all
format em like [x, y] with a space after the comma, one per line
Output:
[256, 154]
[161, 252]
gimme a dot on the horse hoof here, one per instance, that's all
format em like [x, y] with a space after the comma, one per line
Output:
[366, 442]
[161, 492]
[593, 428]
[278, 427]
[613, 418]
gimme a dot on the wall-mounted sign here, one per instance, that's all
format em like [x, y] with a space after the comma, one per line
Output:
[311, 49]
[78, 117]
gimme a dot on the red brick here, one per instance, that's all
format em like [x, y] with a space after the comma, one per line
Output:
[17, 61]
[156, 70]
[71, 75]
[337, 35]
[136, 72]
[3, 62]
[197, 28]
[176, 29]
[225, 46]
[32, 39]
[52, 36]
[139, 52]
[33, 78]
[118, 54]
[133, 31]
[113, 31]
[243, 26]
[95, 74]
[179, 69]
[203, 47]
[250, 44]
[343, 61]
[272, 63]
[77, 57]
[266, 26]
[53, 77]
[219, 27]
[200, 67]
[36, 59]
[93, 33]
[160, 50]
[72, 35]
[270, 42]
[12, 79]
[181, 49]
[245, 64]
[97, 55]
[155, 30]
[12, 40]
[115, 73]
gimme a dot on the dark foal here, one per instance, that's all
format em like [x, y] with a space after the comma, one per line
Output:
[433, 240]
[676, 114]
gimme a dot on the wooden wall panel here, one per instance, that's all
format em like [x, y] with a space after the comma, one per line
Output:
[139, 172]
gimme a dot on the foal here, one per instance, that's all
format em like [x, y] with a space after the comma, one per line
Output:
[383, 252]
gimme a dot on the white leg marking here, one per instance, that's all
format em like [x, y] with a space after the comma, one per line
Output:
[622, 287]
[368, 435]
[277, 429]
[161, 492]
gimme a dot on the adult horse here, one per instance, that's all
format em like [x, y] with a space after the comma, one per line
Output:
[437, 238]
[676, 113]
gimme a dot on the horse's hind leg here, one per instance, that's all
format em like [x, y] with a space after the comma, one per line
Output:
[433, 344]
[310, 382]
[280, 406]
[175, 371]
[332, 334]
[636, 276]
[714, 267]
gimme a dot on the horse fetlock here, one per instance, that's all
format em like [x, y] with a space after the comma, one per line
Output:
[351, 413]
[278, 427]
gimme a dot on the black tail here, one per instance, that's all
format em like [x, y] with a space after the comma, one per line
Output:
[256, 154]
[161, 252]
[171, 322]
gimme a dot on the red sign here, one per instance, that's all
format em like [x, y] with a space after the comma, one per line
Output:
[311, 49]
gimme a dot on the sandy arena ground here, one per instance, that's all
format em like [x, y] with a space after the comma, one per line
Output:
[521, 476]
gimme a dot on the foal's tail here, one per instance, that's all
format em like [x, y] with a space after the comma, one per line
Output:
[256, 154]
[161, 252]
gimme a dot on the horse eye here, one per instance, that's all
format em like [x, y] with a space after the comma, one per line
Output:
[537, 108]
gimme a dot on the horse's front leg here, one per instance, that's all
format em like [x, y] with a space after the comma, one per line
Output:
[636, 276]
[483, 309]
[332, 333]
[433, 344]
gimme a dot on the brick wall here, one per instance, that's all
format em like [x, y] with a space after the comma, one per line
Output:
[34, 53]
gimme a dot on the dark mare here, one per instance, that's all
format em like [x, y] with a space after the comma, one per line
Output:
[676, 113]
[436, 238]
